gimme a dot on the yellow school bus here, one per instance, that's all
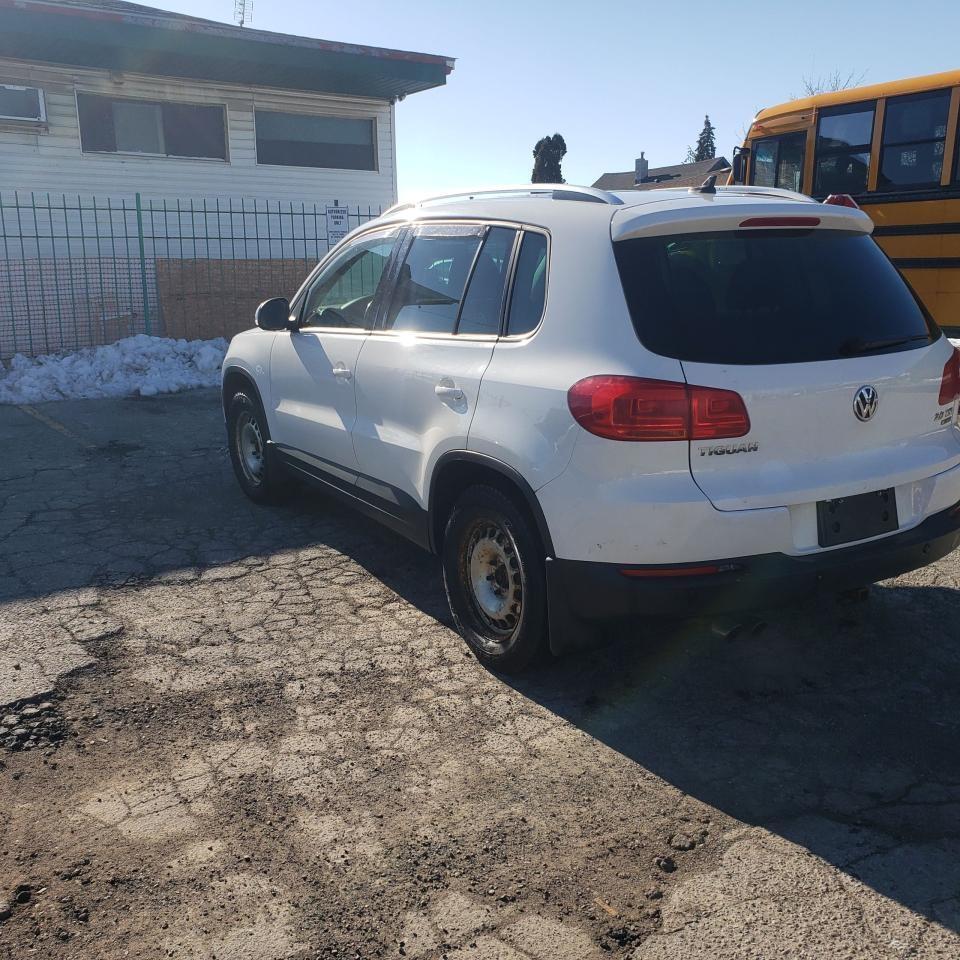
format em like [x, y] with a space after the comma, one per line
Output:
[893, 147]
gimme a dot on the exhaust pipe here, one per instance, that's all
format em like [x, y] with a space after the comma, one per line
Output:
[729, 628]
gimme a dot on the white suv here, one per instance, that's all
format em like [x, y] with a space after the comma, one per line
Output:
[600, 406]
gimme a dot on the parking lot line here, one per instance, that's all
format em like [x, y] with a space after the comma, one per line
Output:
[53, 424]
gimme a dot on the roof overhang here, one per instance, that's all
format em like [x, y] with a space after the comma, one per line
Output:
[130, 39]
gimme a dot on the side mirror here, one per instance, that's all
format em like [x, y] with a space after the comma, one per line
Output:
[740, 164]
[274, 314]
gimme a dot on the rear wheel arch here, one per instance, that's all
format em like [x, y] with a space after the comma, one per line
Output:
[458, 470]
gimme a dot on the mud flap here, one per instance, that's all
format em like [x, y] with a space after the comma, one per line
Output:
[567, 631]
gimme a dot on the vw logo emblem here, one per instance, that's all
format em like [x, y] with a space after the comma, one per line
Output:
[865, 403]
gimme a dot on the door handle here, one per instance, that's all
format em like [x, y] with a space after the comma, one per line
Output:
[448, 390]
[343, 372]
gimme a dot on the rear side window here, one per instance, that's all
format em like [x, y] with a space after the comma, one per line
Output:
[778, 296]
[529, 285]
[483, 303]
[432, 279]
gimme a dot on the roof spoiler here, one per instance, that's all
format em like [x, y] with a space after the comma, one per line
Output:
[730, 209]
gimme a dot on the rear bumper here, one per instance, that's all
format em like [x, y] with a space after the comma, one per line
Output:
[583, 592]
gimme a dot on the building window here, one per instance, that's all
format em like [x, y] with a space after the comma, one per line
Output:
[109, 125]
[843, 149]
[300, 140]
[914, 133]
[778, 161]
[22, 103]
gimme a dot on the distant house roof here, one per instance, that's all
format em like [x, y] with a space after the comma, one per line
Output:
[130, 38]
[679, 175]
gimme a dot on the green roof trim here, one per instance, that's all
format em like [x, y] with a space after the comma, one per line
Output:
[128, 38]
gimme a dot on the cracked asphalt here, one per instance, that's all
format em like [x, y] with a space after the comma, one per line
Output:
[267, 742]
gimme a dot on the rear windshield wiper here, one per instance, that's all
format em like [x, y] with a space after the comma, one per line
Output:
[857, 345]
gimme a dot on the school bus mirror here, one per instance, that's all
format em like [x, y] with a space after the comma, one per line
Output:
[740, 156]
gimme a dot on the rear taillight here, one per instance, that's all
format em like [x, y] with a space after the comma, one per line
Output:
[632, 408]
[842, 200]
[950, 384]
[715, 414]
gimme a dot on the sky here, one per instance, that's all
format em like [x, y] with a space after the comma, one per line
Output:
[614, 78]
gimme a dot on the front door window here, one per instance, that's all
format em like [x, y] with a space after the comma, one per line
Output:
[343, 293]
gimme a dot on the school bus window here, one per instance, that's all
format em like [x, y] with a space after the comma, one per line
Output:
[914, 133]
[778, 161]
[956, 159]
[843, 149]
[765, 163]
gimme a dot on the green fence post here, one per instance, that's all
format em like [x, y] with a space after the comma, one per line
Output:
[143, 269]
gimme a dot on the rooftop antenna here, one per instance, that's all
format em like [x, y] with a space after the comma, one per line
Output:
[708, 185]
[242, 11]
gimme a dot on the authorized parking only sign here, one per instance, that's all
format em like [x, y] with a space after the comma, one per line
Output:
[338, 225]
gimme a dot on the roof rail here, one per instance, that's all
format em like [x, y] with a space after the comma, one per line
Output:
[397, 207]
[551, 191]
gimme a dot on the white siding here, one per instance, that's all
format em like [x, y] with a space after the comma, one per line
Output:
[52, 160]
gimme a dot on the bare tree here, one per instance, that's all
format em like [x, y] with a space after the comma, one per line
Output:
[831, 82]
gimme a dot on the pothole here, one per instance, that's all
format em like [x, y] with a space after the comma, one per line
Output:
[34, 724]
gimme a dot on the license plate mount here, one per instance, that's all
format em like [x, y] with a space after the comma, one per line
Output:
[856, 518]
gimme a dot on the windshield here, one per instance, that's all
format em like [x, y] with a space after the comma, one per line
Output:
[776, 296]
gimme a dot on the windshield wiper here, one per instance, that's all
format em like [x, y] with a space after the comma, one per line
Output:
[857, 345]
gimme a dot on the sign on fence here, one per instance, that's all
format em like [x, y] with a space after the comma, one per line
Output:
[338, 224]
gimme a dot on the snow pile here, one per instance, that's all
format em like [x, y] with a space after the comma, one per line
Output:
[136, 365]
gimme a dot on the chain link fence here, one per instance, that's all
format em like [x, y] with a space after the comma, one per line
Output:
[77, 271]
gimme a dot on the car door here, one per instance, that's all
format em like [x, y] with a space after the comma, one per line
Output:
[312, 369]
[419, 372]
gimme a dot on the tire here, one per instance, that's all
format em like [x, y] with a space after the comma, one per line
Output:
[490, 541]
[260, 475]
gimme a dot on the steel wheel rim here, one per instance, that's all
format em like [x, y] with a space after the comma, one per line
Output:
[495, 580]
[250, 448]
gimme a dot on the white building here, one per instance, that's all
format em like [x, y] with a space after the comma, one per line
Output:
[161, 173]
[102, 96]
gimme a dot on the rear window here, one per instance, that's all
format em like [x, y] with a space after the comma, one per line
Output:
[746, 297]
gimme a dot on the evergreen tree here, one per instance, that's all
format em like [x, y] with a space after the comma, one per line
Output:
[706, 148]
[547, 155]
